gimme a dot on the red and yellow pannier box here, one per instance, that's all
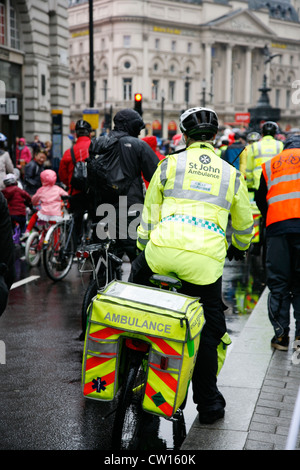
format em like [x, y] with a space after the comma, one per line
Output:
[169, 322]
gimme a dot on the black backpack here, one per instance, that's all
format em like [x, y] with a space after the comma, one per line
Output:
[105, 174]
[79, 178]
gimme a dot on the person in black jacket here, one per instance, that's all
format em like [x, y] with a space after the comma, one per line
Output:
[33, 170]
[136, 158]
[7, 270]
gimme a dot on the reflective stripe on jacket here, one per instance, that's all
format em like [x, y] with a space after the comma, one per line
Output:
[257, 154]
[282, 176]
[188, 202]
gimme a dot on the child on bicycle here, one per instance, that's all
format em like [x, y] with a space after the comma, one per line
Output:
[17, 201]
[48, 197]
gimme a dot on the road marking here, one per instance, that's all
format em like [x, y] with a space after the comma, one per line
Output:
[24, 281]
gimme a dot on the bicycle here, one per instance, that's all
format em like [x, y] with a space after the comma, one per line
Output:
[34, 242]
[60, 245]
[127, 422]
[105, 266]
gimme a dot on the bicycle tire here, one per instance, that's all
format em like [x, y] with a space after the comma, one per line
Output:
[89, 294]
[58, 258]
[128, 417]
[32, 254]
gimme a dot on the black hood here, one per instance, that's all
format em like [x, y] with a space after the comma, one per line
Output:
[128, 120]
[293, 142]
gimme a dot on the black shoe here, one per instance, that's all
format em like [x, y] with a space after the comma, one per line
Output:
[210, 417]
[280, 342]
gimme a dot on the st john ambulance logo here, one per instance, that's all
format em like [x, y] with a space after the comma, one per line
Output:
[205, 159]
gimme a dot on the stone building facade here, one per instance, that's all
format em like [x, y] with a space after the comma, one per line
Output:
[34, 69]
[182, 53]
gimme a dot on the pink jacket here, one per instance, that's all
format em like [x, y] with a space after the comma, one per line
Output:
[23, 154]
[49, 194]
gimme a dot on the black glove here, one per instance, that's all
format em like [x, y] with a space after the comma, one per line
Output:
[233, 252]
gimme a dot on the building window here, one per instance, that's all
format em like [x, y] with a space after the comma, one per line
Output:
[127, 64]
[155, 88]
[126, 41]
[172, 91]
[288, 99]
[277, 98]
[83, 91]
[189, 47]
[2, 24]
[14, 32]
[157, 44]
[105, 90]
[173, 46]
[9, 33]
[43, 84]
[73, 90]
[187, 85]
[127, 89]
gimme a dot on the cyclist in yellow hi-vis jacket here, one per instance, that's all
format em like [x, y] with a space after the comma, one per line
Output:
[183, 231]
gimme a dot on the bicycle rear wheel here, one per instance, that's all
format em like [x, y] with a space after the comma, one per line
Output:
[88, 296]
[129, 413]
[32, 253]
[58, 254]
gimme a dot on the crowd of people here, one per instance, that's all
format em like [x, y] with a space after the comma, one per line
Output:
[190, 187]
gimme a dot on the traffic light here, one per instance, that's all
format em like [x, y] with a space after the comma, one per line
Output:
[138, 99]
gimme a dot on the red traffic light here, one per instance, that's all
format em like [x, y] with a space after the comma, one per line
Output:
[138, 97]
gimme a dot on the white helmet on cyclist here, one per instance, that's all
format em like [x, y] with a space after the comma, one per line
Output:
[9, 179]
[199, 123]
[253, 137]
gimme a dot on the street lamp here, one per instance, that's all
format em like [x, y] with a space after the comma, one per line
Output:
[203, 92]
[162, 111]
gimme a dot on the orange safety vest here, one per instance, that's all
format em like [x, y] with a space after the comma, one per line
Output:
[282, 176]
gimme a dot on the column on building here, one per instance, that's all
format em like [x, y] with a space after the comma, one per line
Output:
[248, 75]
[207, 73]
[145, 60]
[228, 73]
[111, 86]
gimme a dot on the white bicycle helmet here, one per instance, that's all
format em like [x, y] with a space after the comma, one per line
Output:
[9, 179]
[270, 128]
[200, 123]
[253, 137]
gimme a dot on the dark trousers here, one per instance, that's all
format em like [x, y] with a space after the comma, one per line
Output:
[283, 281]
[205, 391]
[79, 203]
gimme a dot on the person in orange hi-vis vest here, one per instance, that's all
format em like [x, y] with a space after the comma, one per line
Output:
[278, 199]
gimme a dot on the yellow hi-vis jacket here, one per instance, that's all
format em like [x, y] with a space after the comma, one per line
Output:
[185, 215]
[257, 154]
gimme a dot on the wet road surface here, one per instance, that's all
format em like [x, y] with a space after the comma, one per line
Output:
[42, 407]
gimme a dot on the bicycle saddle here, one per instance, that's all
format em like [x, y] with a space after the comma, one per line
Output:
[162, 280]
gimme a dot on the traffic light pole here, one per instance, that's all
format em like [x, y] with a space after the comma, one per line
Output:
[91, 38]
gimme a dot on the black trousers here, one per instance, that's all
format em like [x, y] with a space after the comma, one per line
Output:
[205, 391]
[79, 203]
[283, 280]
